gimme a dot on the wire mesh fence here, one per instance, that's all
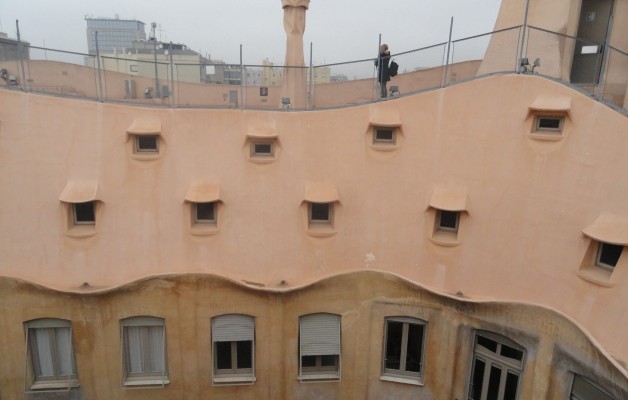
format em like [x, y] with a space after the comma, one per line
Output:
[154, 76]
[592, 67]
[614, 87]
[484, 54]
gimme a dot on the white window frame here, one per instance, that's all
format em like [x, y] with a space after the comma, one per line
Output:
[144, 325]
[439, 224]
[196, 220]
[402, 375]
[50, 328]
[320, 336]
[75, 218]
[537, 128]
[490, 358]
[137, 149]
[598, 256]
[233, 328]
[379, 141]
[330, 214]
[255, 142]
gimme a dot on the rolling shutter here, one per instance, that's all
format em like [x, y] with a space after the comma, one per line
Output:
[582, 389]
[319, 334]
[232, 328]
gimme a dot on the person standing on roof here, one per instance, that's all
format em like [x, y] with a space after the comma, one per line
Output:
[383, 74]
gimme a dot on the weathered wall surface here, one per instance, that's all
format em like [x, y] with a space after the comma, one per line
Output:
[521, 238]
[364, 299]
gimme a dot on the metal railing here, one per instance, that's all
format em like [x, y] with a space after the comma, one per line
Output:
[185, 81]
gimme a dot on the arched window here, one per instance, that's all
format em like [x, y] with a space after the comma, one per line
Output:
[497, 367]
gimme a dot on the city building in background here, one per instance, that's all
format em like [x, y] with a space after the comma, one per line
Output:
[9, 49]
[114, 34]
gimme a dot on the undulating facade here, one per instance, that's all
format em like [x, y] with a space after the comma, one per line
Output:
[461, 243]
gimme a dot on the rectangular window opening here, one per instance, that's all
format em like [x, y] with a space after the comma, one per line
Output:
[205, 213]
[233, 357]
[51, 354]
[608, 255]
[262, 149]
[384, 136]
[549, 124]
[320, 212]
[147, 143]
[84, 213]
[404, 348]
[448, 220]
[319, 346]
[144, 352]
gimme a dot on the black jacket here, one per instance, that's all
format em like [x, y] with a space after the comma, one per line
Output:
[383, 72]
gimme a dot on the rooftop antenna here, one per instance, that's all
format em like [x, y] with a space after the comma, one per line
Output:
[160, 31]
[154, 39]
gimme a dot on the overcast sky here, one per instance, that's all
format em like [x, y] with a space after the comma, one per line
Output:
[340, 30]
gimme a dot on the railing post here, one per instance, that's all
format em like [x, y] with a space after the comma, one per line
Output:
[446, 71]
[523, 36]
[309, 93]
[605, 54]
[242, 78]
[100, 96]
[20, 54]
[379, 62]
[172, 99]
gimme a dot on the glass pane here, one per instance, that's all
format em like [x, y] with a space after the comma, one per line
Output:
[609, 254]
[384, 135]
[512, 381]
[63, 340]
[493, 383]
[146, 143]
[549, 123]
[394, 331]
[205, 211]
[487, 343]
[328, 361]
[134, 341]
[84, 212]
[223, 355]
[448, 219]
[415, 344]
[319, 211]
[42, 359]
[245, 354]
[478, 379]
[308, 361]
[510, 352]
[156, 348]
[262, 148]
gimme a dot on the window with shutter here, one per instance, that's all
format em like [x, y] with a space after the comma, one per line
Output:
[233, 338]
[319, 346]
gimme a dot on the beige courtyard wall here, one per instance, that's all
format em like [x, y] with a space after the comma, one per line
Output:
[520, 240]
[555, 347]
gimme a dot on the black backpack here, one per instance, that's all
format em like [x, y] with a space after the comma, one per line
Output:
[393, 68]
